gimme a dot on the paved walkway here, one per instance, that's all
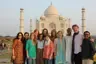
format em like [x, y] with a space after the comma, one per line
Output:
[5, 61]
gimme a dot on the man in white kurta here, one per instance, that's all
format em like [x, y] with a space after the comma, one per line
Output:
[68, 40]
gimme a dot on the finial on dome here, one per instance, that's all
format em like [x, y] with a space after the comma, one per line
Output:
[51, 3]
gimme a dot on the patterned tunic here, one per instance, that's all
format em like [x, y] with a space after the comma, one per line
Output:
[18, 51]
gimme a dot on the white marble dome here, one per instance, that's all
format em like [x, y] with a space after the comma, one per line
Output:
[61, 17]
[51, 10]
[42, 17]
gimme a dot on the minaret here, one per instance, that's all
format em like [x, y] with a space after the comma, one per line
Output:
[69, 23]
[51, 3]
[37, 24]
[21, 20]
[30, 25]
[83, 20]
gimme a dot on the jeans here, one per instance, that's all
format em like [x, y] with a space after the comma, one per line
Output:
[47, 61]
[26, 61]
[31, 61]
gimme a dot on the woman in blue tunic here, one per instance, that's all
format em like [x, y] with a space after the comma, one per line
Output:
[60, 49]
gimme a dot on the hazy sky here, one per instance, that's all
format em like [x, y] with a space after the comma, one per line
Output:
[10, 11]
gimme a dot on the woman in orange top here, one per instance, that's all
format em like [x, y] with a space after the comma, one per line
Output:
[48, 51]
[17, 49]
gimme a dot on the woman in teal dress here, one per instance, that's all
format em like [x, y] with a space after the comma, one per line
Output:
[60, 49]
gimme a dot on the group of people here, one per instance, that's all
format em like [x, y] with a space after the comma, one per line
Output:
[42, 48]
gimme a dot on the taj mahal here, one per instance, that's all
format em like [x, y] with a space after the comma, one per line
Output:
[51, 19]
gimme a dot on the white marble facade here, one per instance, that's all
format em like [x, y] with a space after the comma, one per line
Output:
[52, 20]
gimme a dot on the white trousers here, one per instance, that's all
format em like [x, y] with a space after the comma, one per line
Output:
[87, 61]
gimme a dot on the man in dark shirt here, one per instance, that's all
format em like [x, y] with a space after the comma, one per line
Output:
[26, 37]
[87, 49]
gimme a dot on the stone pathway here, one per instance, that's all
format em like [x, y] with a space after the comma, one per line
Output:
[5, 61]
[3, 52]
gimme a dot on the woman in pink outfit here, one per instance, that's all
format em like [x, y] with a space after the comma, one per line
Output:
[48, 51]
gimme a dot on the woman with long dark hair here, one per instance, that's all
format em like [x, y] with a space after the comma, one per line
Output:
[17, 49]
[44, 32]
[40, 46]
[48, 50]
[53, 37]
